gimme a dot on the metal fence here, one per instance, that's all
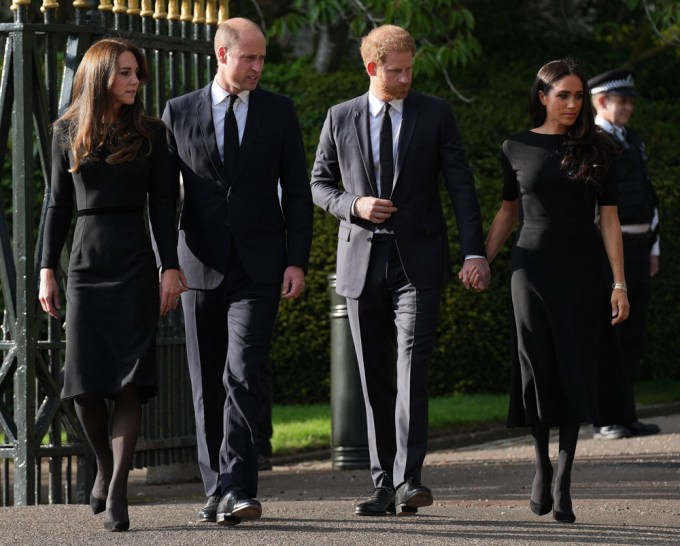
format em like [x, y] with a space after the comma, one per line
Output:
[44, 456]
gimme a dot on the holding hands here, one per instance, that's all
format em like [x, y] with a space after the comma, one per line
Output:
[475, 274]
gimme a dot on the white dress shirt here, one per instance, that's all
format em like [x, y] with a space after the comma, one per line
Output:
[220, 102]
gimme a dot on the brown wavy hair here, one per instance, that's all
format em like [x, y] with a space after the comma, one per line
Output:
[587, 152]
[88, 124]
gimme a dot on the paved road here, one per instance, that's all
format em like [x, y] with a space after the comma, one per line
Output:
[626, 492]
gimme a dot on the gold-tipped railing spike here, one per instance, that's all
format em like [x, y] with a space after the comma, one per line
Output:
[104, 5]
[49, 4]
[211, 12]
[133, 7]
[147, 8]
[159, 12]
[199, 12]
[186, 16]
[173, 10]
[223, 11]
[119, 6]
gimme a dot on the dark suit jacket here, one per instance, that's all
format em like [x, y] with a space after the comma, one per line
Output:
[268, 234]
[429, 146]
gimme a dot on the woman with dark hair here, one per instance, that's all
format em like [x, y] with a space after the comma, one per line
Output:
[114, 159]
[554, 176]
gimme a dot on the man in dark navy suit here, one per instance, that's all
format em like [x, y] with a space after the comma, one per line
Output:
[391, 148]
[242, 247]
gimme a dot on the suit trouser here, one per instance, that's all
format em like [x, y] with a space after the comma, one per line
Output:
[394, 328]
[636, 264]
[228, 335]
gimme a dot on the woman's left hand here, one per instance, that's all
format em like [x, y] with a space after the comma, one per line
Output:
[620, 306]
[172, 284]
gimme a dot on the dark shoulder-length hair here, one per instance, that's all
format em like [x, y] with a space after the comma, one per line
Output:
[88, 125]
[586, 150]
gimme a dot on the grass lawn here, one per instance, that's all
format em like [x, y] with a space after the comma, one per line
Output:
[308, 428]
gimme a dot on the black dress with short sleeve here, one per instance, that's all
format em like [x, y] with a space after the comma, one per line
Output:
[556, 286]
[112, 294]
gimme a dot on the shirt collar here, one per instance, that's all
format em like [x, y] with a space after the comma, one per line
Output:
[219, 94]
[607, 126]
[375, 105]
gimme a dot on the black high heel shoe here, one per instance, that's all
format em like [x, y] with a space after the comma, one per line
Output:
[541, 508]
[97, 505]
[118, 525]
[564, 517]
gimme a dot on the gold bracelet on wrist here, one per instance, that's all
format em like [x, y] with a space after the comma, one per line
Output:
[620, 286]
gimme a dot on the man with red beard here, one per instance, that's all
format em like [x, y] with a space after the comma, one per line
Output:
[390, 148]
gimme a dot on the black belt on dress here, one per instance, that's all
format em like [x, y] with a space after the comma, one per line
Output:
[109, 210]
[633, 236]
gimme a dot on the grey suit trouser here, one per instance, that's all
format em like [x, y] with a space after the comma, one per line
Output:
[228, 335]
[394, 327]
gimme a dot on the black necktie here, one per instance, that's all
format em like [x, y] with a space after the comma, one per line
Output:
[620, 134]
[230, 137]
[386, 154]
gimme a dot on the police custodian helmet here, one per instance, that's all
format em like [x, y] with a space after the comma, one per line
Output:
[616, 82]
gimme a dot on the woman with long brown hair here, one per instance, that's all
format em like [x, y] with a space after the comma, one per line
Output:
[554, 177]
[111, 159]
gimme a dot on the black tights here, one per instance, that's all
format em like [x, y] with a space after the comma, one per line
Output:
[540, 491]
[114, 458]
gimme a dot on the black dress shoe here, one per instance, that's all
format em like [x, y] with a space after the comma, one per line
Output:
[613, 432]
[379, 503]
[410, 496]
[208, 513]
[236, 506]
[642, 429]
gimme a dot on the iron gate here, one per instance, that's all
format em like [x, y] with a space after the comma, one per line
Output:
[38, 431]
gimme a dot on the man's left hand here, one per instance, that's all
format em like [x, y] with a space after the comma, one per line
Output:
[293, 282]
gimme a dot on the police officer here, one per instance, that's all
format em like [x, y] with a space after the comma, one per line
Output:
[612, 95]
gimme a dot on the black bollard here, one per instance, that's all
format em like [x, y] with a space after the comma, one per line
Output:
[349, 444]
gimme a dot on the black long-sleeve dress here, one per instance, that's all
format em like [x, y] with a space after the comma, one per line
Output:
[112, 295]
[558, 306]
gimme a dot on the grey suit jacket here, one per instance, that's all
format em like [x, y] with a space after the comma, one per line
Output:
[429, 149]
[269, 234]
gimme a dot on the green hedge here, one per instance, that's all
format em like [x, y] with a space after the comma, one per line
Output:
[472, 353]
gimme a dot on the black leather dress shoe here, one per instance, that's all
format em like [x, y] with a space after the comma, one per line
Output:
[612, 432]
[208, 513]
[236, 506]
[642, 429]
[410, 496]
[379, 503]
